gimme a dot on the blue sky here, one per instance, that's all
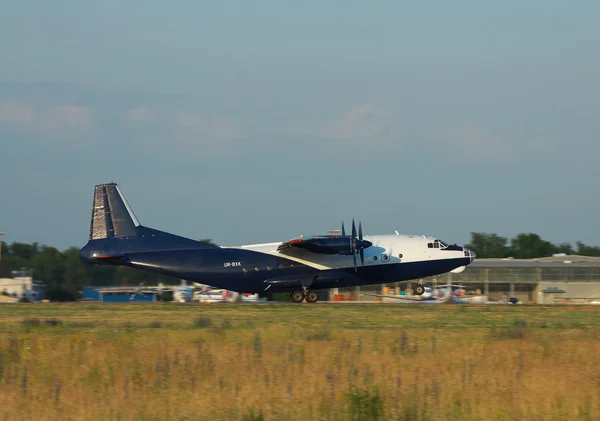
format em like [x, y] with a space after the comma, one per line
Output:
[259, 121]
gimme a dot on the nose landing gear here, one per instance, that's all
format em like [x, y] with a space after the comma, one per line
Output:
[418, 289]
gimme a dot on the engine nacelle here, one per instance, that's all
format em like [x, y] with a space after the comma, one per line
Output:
[458, 269]
[339, 245]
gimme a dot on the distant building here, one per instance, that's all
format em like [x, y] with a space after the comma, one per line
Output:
[118, 294]
[548, 280]
[21, 285]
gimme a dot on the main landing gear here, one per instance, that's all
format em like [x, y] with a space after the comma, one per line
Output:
[299, 296]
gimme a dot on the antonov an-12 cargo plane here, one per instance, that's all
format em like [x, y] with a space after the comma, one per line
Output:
[298, 266]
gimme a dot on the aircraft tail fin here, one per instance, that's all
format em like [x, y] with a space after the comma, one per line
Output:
[111, 214]
[115, 231]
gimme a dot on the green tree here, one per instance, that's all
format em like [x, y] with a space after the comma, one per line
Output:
[49, 265]
[488, 245]
[126, 276]
[566, 248]
[76, 273]
[585, 250]
[529, 246]
[17, 256]
[24, 251]
[101, 275]
[5, 260]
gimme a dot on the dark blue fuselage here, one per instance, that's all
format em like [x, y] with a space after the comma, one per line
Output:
[117, 238]
[250, 271]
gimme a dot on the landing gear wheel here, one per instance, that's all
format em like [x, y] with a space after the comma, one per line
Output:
[419, 289]
[311, 297]
[297, 296]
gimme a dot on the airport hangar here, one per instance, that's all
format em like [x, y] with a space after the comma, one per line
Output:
[547, 280]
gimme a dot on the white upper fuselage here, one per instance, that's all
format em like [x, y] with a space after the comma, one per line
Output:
[385, 249]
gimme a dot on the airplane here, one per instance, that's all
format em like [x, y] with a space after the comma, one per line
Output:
[184, 293]
[429, 297]
[214, 295]
[181, 293]
[439, 294]
[461, 296]
[300, 266]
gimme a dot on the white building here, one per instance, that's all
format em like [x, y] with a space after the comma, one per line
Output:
[21, 284]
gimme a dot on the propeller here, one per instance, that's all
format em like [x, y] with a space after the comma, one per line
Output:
[357, 245]
[362, 249]
[353, 244]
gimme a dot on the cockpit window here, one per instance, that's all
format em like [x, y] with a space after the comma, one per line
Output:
[438, 244]
[444, 246]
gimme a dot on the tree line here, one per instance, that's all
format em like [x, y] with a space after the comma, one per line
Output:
[524, 246]
[65, 275]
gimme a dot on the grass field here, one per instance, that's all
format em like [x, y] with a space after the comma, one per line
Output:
[298, 362]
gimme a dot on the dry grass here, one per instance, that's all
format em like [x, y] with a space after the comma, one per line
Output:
[298, 362]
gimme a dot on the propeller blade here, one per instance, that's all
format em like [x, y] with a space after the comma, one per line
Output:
[362, 244]
[343, 230]
[353, 229]
[354, 257]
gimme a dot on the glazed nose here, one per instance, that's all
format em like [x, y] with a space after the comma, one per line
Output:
[469, 253]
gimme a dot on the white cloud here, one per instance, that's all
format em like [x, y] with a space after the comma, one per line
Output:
[202, 129]
[65, 118]
[193, 132]
[225, 129]
[471, 142]
[474, 142]
[13, 112]
[57, 119]
[140, 113]
[196, 134]
[185, 120]
[363, 122]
